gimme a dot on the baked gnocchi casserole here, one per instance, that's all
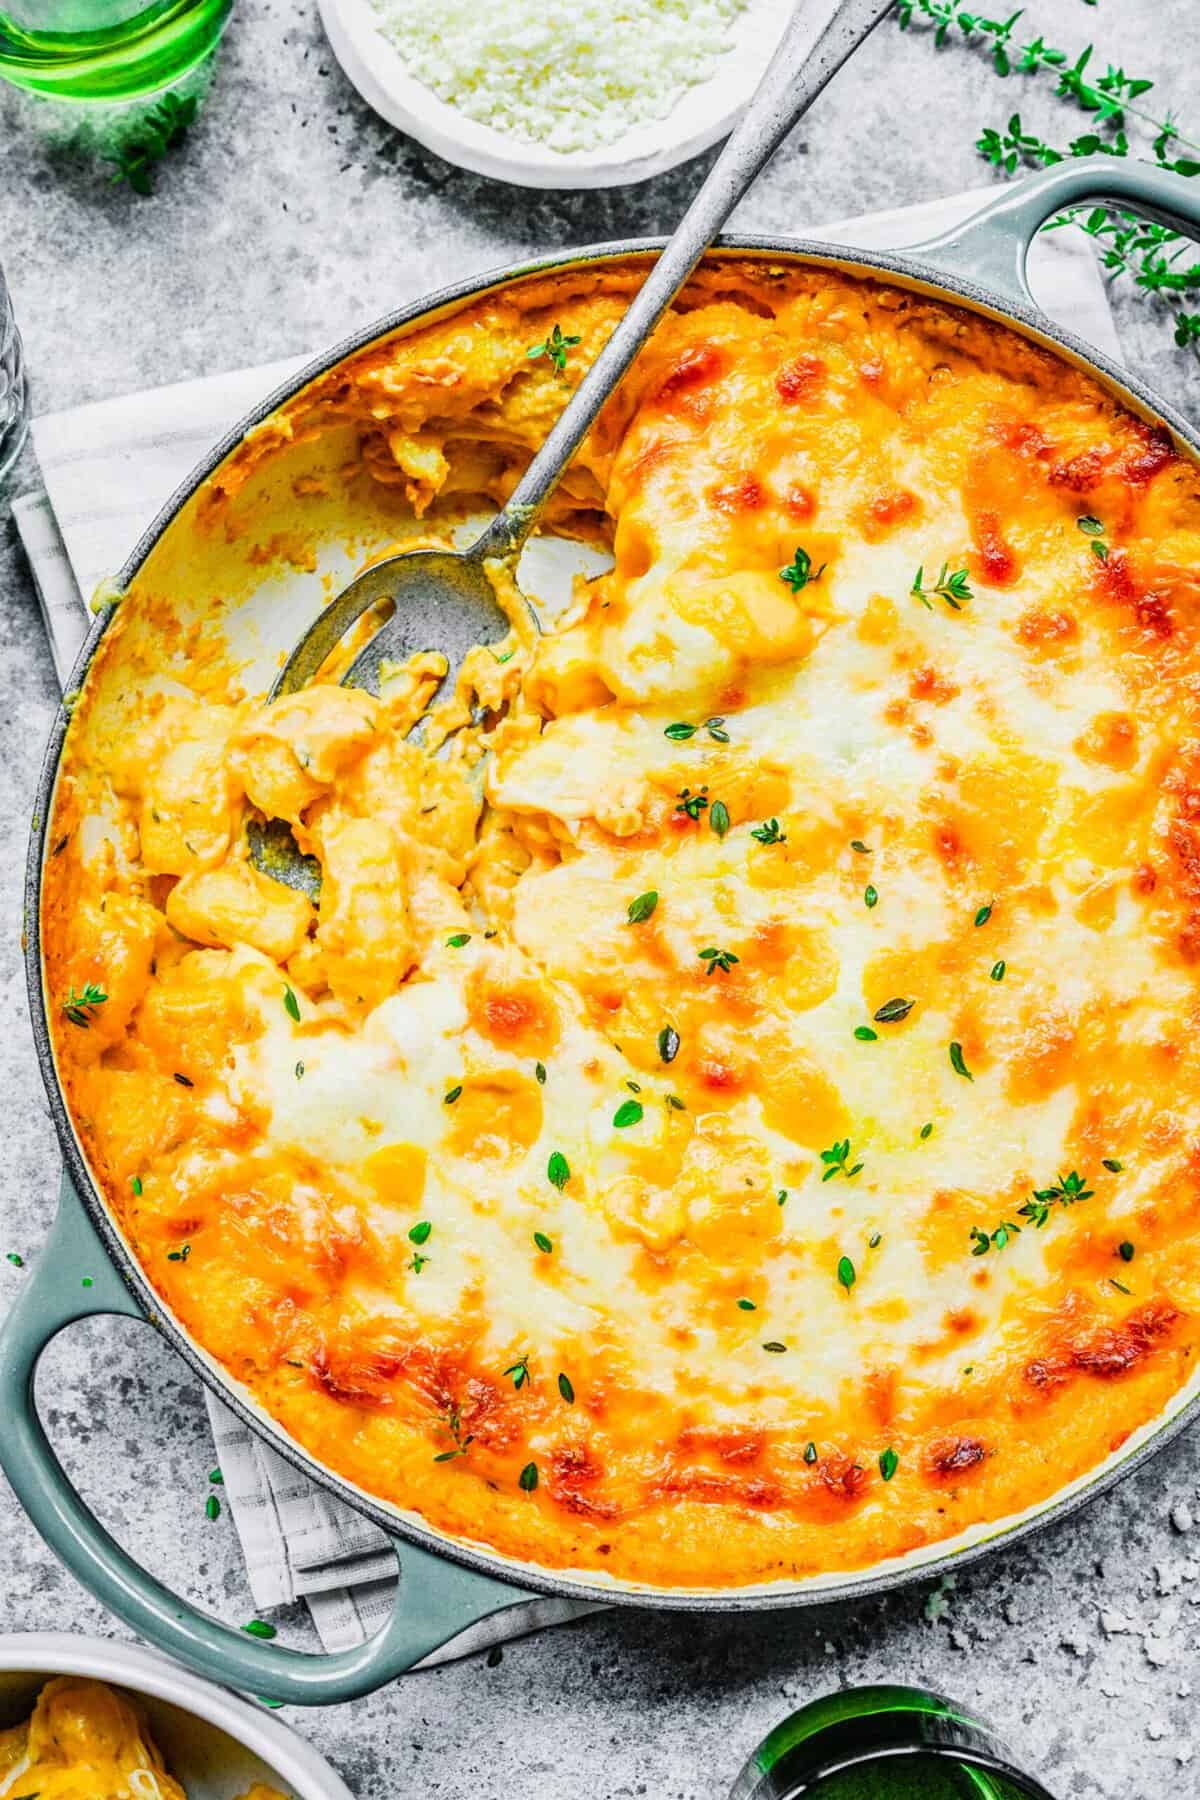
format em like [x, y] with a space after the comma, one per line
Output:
[730, 1116]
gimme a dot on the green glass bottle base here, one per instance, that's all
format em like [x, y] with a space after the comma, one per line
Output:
[147, 52]
[883, 1743]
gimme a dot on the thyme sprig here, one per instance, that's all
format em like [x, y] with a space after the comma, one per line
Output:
[164, 128]
[1115, 102]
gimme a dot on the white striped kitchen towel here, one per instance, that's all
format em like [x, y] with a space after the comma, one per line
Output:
[107, 468]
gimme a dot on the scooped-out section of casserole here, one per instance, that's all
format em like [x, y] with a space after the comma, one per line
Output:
[731, 1116]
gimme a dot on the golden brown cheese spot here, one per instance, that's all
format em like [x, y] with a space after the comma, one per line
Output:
[1110, 739]
[801, 380]
[1047, 632]
[952, 1458]
[994, 561]
[885, 510]
[497, 1117]
[514, 1015]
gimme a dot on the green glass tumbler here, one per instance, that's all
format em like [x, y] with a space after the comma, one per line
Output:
[884, 1743]
[106, 49]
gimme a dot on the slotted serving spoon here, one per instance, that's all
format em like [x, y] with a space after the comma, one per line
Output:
[453, 585]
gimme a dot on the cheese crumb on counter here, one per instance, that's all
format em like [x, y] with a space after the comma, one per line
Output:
[566, 74]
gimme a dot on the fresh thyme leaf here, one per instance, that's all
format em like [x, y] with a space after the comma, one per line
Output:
[836, 1159]
[889, 1462]
[1126, 1251]
[865, 1035]
[163, 128]
[17, 1261]
[984, 914]
[528, 1478]
[870, 897]
[799, 572]
[681, 731]
[769, 833]
[539, 1069]
[136, 1184]
[781, 1197]
[183, 1080]
[1112, 1165]
[747, 1306]
[675, 1102]
[718, 817]
[953, 589]
[212, 1507]
[566, 1389]
[555, 347]
[452, 1095]
[957, 1063]
[641, 909]
[1064, 1192]
[458, 940]
[857, 844]
[80, 1007]
[298, 1071]
[845, 1273]
[715, 728]
[874, 1241]
[717, 959]
[892, 1011]
[418, 1262]
[419, 1233]
[983, 1241]
[810, 1452]
[692, 804]
[926, 1131]
[558, 1170]
[668, 1044]
[775, 1347]
[544, 1244]
[630, 1112]
[519, 1371]
[291, 1004]
[179, 1256]
[1090, 527]
[998, 970]
[1119, 1285]
[260, 1629]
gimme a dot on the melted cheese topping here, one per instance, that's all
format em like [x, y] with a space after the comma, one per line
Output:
[753, 1139]
[86, 1741]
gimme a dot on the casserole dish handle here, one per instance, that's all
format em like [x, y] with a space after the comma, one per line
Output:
[74, 1279]
[991, 247]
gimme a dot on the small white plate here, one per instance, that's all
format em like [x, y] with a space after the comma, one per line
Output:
[702, 115]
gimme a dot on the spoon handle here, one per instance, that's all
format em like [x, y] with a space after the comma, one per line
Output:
[796, 74]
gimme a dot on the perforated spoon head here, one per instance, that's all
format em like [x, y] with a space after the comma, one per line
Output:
[443, 601]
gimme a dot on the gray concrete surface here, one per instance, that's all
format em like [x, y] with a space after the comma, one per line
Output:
[291, 215]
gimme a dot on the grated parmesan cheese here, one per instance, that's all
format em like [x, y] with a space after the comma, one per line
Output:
[568, 74]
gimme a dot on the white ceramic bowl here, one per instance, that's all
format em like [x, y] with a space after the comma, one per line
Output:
[216, 1745]
[702, 115]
